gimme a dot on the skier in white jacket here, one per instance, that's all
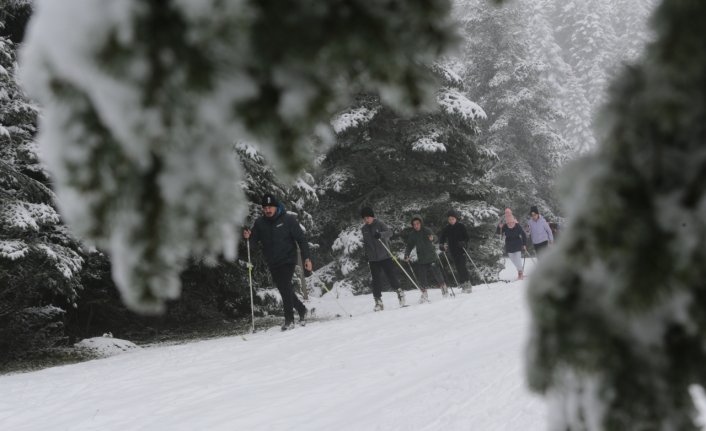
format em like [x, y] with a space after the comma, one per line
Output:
[539, 231]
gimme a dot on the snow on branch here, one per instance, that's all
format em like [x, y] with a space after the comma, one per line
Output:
[453, 102]
[354, 118]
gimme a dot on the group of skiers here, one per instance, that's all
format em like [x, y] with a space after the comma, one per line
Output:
[280, 234]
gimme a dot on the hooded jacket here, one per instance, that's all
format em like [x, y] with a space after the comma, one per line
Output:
[420, 240]
[375, 251]
[279, 237]
[515, 238]
[456, 235]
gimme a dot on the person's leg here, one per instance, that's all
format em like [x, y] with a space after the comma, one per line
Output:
[376, 272]
[541, 247]
[282, 277]
[389, 267]
[421, 272]
[460, 263]
[516, 259]
[436, 273]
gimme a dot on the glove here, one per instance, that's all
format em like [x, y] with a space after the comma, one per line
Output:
[462, 244]
[442, 247]
[406, 258]
[377, 235]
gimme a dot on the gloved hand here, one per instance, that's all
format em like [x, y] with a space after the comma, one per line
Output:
[377, 235]
[462, 244]
[406, 258]
[442, 247]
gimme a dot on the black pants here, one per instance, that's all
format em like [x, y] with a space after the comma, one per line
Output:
[541, 247]
[282, 276]
[377, 269]
[422, 270]
[460, 263]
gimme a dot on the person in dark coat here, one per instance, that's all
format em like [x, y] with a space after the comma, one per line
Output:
[515, 241]
[454, 238]
[376, 236]
[422, 239]
[279, 234]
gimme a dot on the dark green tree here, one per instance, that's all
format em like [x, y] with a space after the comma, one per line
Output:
[619, 307]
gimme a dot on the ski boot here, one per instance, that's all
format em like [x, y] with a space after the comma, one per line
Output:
[400, 296]
[424, 298]
[467, 287]
[444, 291]
[520, 275]
[378, 305]
[302, 317]
[288, 325]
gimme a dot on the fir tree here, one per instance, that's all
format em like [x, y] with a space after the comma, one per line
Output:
[39, 261]
[142, 100]
[618, 307]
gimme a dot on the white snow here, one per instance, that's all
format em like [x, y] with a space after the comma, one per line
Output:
[454, 364]
[106, 346]
[453, 102]
[353, 118]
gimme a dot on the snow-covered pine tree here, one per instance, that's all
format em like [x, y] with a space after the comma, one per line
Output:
[501, 73]
[143, 98]
[619, 309]
[39, 261]
[401, 166]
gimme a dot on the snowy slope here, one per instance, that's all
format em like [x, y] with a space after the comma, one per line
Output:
[453, 364]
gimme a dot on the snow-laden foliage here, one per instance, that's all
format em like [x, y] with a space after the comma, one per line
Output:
[142, 100]
[453, 102]
[619, 310]
[39, 260]
[353, 118]
[347, 244]
[429, 143]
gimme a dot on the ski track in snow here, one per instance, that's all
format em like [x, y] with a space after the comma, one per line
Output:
[454, 364]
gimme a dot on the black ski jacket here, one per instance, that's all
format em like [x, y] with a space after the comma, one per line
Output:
[279, 237]
[457, 237]
[515, 238]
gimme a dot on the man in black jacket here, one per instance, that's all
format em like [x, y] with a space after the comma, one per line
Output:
[280, 233]
[456, 236]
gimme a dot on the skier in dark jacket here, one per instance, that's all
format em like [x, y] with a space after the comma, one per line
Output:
[515, 241]
[456, 236]
[280, 233]
[421, 238]
[379, 260]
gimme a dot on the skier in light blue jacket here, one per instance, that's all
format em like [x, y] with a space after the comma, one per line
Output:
[539, 231]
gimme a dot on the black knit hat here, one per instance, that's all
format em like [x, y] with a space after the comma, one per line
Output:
[534, 209]
[452, 213]
[269, 200]
[367, 212]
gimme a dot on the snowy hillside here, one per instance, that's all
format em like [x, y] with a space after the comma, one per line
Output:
[454, 364]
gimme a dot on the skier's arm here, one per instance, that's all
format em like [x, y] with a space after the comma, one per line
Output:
[409, 247]
[523, 235]
[442, 238]
[385, 232]
[549, 231]
[297, 233]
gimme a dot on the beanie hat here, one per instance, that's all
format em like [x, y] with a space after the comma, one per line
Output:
[534, 209]
[452, 213]
[367, 212]
[268, 200]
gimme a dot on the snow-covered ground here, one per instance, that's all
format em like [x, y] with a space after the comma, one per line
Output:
[454, 364]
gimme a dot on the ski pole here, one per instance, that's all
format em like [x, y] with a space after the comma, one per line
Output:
[252, 304]
[412, 270]
[444, 275]
[399, 264]
[336, 299]
[474, 265]
[448, 262]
